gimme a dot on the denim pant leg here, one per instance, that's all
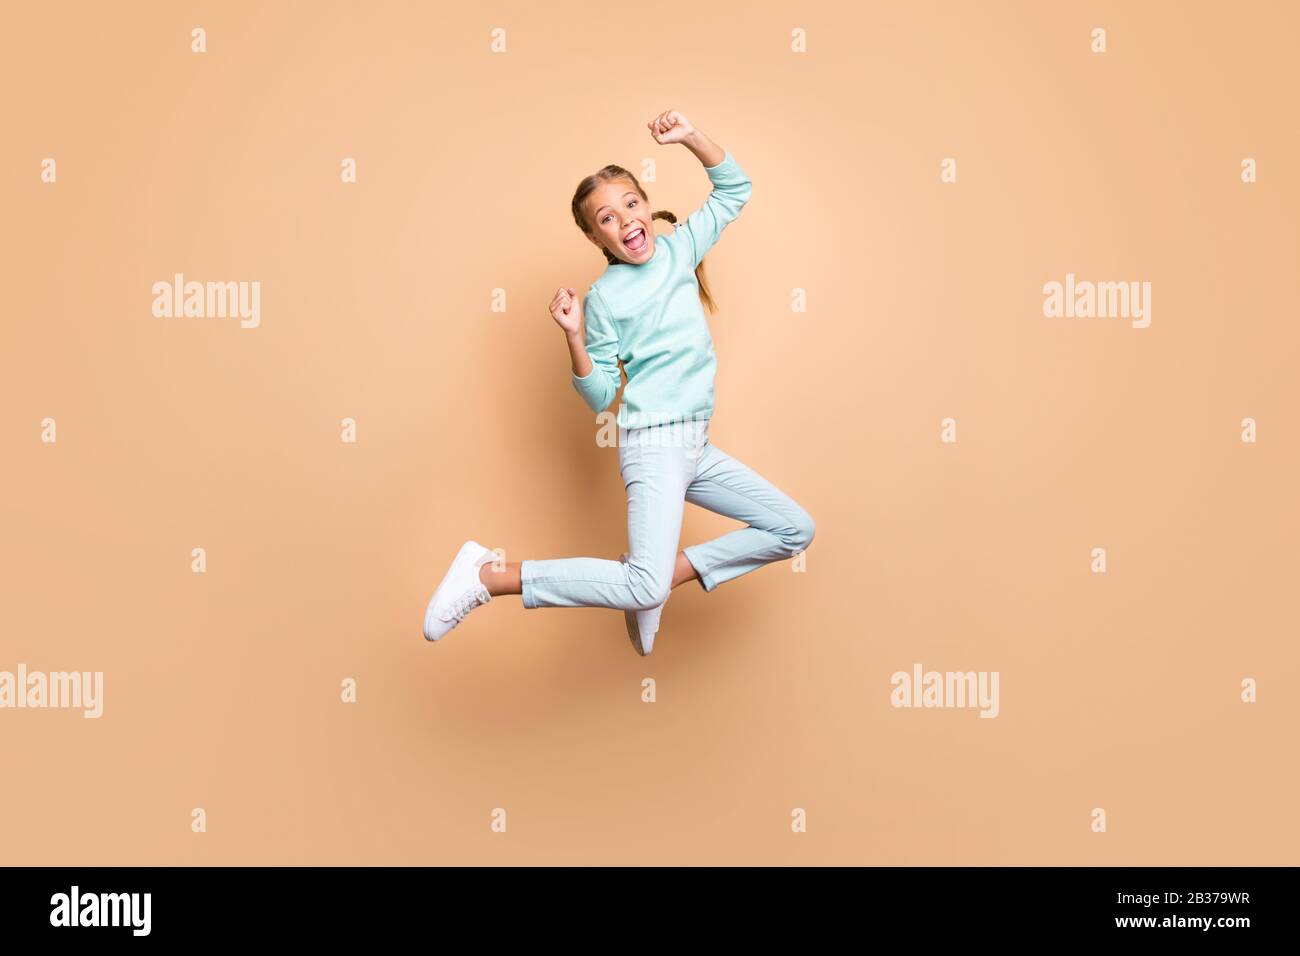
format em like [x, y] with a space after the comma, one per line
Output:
[778, 527]
[655, 476]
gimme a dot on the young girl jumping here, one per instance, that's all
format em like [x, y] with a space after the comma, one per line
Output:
[646, 313]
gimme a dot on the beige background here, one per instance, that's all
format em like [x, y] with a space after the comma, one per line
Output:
[222, 689]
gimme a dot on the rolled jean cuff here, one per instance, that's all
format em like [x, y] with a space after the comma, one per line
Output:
[529, 598]
[707, 581]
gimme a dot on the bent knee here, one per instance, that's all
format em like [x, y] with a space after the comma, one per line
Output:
[647, 599]
[802, 530]
[649, 591]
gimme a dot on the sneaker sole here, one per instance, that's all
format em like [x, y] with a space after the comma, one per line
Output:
[629, 621]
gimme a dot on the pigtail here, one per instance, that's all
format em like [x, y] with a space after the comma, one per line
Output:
[705, 297]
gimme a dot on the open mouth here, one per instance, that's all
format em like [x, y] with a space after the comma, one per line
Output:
[635, 240]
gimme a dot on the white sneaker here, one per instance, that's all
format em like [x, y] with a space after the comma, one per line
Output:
[642, 626]
[459, 593]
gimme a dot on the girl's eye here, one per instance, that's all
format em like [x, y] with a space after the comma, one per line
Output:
[605, 219]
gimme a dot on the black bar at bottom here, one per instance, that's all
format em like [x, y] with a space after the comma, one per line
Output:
[453, 906]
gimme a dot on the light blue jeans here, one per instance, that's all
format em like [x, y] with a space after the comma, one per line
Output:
[664, 466]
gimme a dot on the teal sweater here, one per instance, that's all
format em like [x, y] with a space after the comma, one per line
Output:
[650, 317]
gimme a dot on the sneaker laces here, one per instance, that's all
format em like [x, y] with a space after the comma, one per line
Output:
[467, 602]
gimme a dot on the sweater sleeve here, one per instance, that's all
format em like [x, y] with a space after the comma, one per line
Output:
[731, 190]
[598, 386]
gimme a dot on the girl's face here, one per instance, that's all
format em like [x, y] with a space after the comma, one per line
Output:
[620, 221]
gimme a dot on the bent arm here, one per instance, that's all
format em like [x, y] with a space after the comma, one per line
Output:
[731, 190]
[596, 374]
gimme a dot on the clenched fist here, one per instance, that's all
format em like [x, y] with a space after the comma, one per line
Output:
[670, 126]
[566, 310]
